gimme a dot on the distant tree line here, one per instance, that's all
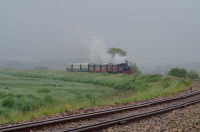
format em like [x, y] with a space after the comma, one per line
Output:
[183, 73]
[43, 68]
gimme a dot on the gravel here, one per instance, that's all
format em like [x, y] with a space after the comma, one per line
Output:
[116, 116]
[181, 120]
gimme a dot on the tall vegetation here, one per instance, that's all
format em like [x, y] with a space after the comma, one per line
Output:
[192, 74]
[119, 81]
[134, 68]
[26, 94]
[183, 73]
[178, 72]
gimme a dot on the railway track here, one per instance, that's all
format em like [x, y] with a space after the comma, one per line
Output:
[123, 120]
[55, 121]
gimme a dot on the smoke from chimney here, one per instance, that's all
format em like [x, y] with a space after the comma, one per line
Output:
[98, 50]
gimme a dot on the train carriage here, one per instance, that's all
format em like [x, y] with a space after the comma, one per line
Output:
[104, 67]
[91, 67]
[110, 68]
[97, 67]
[69, 67]
[84, 67]
[76, 67]
[115, 68]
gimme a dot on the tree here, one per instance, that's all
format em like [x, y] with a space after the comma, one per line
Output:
[114, 51]
[134, 68]
[177, 72]
[192, 74]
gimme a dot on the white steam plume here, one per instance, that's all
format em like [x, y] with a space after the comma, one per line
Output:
[97, 50]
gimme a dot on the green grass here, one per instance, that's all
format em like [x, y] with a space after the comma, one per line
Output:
[30, 93]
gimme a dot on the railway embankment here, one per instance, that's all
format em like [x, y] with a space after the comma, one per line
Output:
[120, 115]
[70, 93]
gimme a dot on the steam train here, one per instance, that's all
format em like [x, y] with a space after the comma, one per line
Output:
[104, 67]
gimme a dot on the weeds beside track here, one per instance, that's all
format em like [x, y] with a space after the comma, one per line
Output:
[55, 121]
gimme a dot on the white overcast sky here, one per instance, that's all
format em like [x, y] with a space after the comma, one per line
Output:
[152, 32]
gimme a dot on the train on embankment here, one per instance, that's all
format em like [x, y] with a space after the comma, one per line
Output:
[104, 67]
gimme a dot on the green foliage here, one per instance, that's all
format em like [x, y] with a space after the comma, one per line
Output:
[8, 102]
[177, 72]
[186, 82]
[48, 99]
[27, 105]
[114, 51]
[153, 78]
[22, 98]
[166, 82]
[44, 90]
[91, 98]
[192, 74]
[5, 88]
[30, 102]
[24, 103]
[183, 73]
[119, 81]
[134, 68]
[5, 112]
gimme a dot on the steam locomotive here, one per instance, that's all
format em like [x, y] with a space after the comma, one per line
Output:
[104, 67]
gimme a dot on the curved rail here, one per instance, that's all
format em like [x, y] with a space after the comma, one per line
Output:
[131, 118]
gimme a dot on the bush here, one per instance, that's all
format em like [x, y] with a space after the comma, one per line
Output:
[44, 90]
[48, 99]
[8, 102]
[153, 78]
[6, 88]
[186, 82]
[192, 75]
[25, 105]
[91, 98]
[3, 94]
[31, 102]
[134, 68]
[6, 112]
[177, 72]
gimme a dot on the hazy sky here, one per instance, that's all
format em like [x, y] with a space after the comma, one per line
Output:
[151, 31]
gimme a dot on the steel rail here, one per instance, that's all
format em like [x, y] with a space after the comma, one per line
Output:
[30, 125]
[131, 118]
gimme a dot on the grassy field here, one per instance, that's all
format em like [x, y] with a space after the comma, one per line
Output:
[29, 93]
